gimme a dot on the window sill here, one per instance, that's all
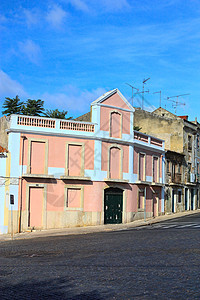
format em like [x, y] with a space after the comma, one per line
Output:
[143, 182]
[38, 176]
[157, 184]
[65, 177]
[116, 180]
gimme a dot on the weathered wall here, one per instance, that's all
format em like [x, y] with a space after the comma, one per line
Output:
[168, 129]
[4, 124]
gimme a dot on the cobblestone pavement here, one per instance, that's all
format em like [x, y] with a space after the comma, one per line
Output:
[162, 263]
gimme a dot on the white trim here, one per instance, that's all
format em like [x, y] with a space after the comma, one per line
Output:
[91, 136]
[109, 94]
[74, 187]
[114, 107]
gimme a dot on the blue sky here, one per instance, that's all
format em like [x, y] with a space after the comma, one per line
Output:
[69, 52]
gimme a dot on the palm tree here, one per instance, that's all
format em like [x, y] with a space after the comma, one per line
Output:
[12, 106]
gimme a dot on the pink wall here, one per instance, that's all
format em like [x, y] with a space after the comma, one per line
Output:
[116, 100]
[104, 157]
[149, 161]
[93, 195]
[57, 150]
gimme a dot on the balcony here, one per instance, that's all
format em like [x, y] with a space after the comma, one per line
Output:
[190, 178]
[50, 125]
[174, 178]
[148, 139]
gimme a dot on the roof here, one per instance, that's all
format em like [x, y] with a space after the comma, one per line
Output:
[2, 150]
[84, 118]
[109, 94]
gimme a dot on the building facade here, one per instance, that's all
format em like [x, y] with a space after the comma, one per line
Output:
[65, 173]
[182, 156]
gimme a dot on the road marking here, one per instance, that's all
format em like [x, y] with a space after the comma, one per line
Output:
[187, 225]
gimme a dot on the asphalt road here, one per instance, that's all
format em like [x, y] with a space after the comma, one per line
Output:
[151, 262]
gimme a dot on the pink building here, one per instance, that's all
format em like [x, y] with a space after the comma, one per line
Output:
[72, 173]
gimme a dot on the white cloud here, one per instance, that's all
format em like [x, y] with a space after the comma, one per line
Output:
[56, 16]
[31, 50]
[80, 5]
[2, 18]
[31, 16]
[9, 87]
[115, 5]
[72, 99]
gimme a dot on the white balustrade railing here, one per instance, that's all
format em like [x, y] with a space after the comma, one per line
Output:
[78, 126]
[50, 123]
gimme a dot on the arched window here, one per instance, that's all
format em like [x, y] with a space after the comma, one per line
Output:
[115, 162]
[115, 124]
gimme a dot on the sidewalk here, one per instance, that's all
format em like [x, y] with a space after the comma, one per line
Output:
[93, 229]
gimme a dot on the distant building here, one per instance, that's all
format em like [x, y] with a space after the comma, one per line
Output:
[64, 173]
[182, 156]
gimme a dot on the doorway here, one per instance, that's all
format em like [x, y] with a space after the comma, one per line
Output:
[35, 207]
[186, 199]
[155, 205]
[113, 206]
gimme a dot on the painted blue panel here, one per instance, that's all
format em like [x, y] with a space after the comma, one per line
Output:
[57, 172]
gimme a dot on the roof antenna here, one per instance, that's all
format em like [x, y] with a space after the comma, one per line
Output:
[144, 82]
[160, 96]
[175, 103]
[132, 91]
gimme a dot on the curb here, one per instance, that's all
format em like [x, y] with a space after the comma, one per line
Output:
[94, 229]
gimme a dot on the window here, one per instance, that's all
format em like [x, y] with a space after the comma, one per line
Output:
[115, 157]
[189, 168]
[142, 166]
[179, 196]
[168, 166]
[115, 124]
[179, 168]
[37, 156]
[75, 154]
[155, 169]
[189, 142]
[173, 170]
[141, 196]
[74, 197]
[197, 141]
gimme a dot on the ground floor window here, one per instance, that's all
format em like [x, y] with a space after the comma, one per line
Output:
[179, 196]
[141, 196]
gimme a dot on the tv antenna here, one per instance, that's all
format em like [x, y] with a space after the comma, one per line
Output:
[159, 92]
[175, 103]
[144, 82]
[132, 87]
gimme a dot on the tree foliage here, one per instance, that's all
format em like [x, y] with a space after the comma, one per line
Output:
[33, 107]
[12, 106]
[137, 128]
[56, 114]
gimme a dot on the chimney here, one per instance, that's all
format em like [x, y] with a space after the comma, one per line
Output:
[184, 117]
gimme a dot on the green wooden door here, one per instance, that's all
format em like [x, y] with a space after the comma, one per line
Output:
[113, 207]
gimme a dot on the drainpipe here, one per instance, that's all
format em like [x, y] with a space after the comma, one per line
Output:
[145, 192]
[22, 160]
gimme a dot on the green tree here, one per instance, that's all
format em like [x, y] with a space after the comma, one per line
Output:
[12, 106]
[56, 114]
[137, 128]
[33, 107]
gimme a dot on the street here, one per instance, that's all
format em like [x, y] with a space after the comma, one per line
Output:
[159, 261]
